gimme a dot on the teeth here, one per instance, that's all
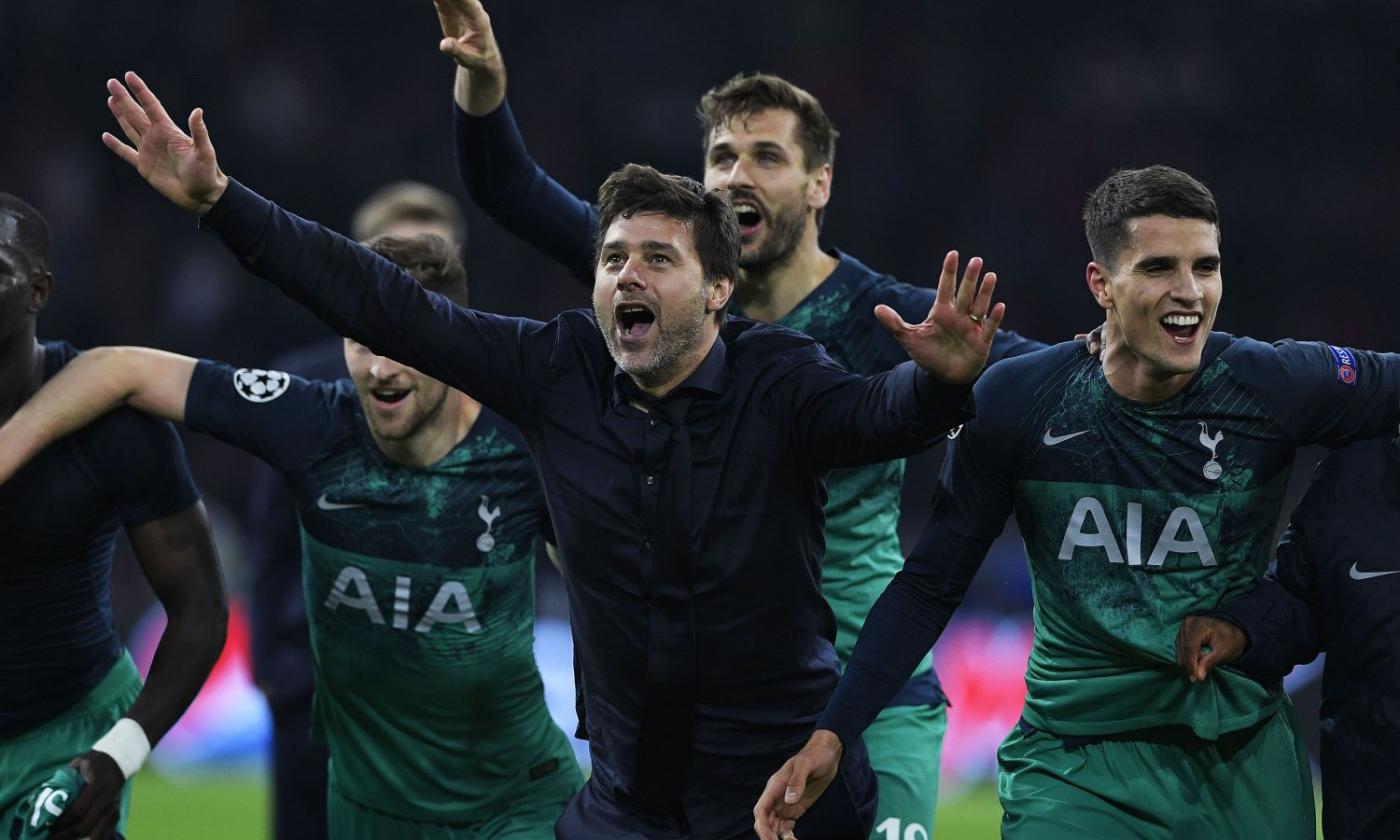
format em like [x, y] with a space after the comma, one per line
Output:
[1182, 320]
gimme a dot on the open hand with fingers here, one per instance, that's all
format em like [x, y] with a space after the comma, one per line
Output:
[468, 39]
[1204, 643]
[796, 787]
[953, 342]
[180, 166]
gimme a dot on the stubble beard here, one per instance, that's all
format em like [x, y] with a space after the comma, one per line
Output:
[674, 343]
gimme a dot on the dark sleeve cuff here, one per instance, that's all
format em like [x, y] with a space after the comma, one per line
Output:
[238, 217]
[950, 404]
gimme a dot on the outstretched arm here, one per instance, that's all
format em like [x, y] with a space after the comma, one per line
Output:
[847, 420]
[495, 167]
[498, 360]
[93, 384]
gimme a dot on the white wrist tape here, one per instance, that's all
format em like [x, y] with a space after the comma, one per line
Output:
[127, 744]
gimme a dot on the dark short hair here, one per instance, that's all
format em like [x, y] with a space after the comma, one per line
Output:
[408, 201]
[32, 231]
[430, 259]
[1134, 193]
[749, 93]
[637, 189]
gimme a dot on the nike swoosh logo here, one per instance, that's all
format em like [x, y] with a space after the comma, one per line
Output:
[1360, 575]
[1056, 440]
[326, 504]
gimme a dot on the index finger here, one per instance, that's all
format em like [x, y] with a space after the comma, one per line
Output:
[145, 97]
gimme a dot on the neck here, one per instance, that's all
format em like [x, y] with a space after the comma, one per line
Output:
[21, 370]
[770, 292]
[1129, 376]
[436, 438]
[708, 336]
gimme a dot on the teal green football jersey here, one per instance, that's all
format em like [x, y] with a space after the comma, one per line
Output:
[862, 508]
[420, 592]
[1134, 515]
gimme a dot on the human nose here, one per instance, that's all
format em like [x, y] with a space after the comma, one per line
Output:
[1187, 286]
[384, 368]
[738, 176]
[631, 276]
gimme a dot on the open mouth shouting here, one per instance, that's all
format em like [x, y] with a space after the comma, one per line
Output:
[634, 322]
[750, 216]
[1181, 327]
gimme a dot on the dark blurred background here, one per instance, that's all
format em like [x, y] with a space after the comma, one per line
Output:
[979, 126]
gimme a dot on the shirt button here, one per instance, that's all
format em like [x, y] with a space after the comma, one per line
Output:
[646, 546]
[651, 479]
[652, 422]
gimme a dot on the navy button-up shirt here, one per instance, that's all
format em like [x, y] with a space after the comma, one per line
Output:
[768, 414]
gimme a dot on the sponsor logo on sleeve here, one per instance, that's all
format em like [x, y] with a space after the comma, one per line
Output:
[260, 386]
[1346, 363]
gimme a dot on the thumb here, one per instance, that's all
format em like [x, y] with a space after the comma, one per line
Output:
[200, 133]
[891, 320]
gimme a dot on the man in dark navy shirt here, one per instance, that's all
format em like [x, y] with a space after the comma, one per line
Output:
[1333, 587]
[682, 456]
[65, 678]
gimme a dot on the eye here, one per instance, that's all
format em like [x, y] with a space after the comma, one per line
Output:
[660, 258]
[722, 160]
[769, 159]
[612, 259]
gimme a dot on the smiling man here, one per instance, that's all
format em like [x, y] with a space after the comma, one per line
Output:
[682, 455]
[1147, 485]
[419, 511]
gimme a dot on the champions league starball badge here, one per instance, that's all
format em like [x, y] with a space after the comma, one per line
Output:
[260, 386]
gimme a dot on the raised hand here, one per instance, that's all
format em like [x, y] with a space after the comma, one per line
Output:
[1204, 643]
[180, 166]
[796, 787]
[954, 340]
[468, 39]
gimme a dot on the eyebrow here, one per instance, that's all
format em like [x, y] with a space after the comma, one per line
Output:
[645, 245]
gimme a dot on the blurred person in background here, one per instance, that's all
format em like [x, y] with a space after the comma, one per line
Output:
[282, 658]
[769, 149]
[1147, 484]
[418, 513]
[1333, 587]
[69, 690]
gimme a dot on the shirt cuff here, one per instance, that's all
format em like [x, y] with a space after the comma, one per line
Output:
[239, 215]
[952, 404]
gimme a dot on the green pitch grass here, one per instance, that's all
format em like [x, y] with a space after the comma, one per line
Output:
[235, 807]
[210, 807]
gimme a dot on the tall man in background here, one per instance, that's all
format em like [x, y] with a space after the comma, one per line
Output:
[68, 687]
[282, 663]
[769, 148]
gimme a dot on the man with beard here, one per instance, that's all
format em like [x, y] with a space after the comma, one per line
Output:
[418, 512]
[769, 148]
[682, 453]
[70, 694]
[283, 664]
[1147, 484]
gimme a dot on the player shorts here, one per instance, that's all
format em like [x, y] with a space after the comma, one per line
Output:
[27, 760]
[529, 816]
[905, 745]
[1162, 783]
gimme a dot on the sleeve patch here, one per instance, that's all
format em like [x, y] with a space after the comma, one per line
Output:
[1346, 364]
[260, 386]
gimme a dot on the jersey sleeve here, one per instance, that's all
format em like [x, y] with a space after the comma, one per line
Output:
[974, 497]
[507, 184]
[1321, 393]
[502, 362]
[280, 418]
[145, 465]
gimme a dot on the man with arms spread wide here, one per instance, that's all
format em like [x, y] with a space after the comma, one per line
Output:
[1147, 485]
[769, 149]
[418, 512]
[68, 688]
[682, 455]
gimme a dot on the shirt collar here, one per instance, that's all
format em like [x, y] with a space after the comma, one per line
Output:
[711, 376]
